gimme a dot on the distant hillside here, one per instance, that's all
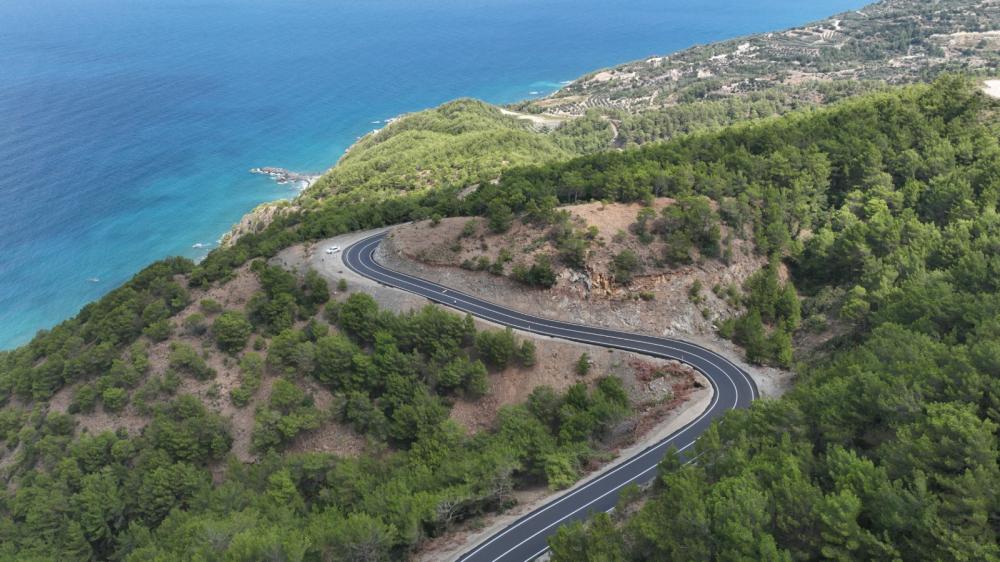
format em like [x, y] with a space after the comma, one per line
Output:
[456, 144]
[883, 209]
[893, 41]
[467, 142]
[872, 227]
[710, 86]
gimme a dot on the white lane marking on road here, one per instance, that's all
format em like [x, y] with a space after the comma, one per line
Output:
[374, 240]
[537, 554]
[581, 508]
[405, 279]
[556, 325]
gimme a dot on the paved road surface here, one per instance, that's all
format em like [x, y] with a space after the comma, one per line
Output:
[525, 538]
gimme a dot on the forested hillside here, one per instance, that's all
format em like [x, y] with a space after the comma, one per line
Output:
[457, 144]
[464, 143]
[894, 41]
[705, 86]
[885, 207]
[175, 490]
[451, 148]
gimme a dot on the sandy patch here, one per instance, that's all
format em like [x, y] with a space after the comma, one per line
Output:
[539, 121]
[332, 268]
[992, 88]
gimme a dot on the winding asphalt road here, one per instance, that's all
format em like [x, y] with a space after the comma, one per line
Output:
[525, 539]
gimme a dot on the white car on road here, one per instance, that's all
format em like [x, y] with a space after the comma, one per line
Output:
[333, 249]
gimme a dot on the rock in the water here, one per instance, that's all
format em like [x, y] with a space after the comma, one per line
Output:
[283, 176]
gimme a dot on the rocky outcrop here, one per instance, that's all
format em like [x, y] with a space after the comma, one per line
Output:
[283, 176]
[257, 220]
[263, 215]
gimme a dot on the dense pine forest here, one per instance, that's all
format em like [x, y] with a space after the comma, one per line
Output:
[885, 209]
[881, 208]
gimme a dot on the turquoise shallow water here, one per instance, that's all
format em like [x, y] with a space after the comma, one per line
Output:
[127, 127]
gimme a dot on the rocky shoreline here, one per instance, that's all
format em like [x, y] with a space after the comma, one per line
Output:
[255, 221]
[283, 176]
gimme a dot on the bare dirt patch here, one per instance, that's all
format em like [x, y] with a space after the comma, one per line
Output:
[653, 427]
[332, 268]
[215, 392]
[554, 367]
[666, 394]
[589, 297]
[992, 88]
[99, 420]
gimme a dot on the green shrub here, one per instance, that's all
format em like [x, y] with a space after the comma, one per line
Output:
[158, 331]
[84, 399]
[290, 411]
[499, 216]
[231, 331]
[171, 381]
[210, 306]
[359, 316]
[195, 324]
[465, 374]
[240, 396]
[694, 291]
[496, 347]
[252, 371]
[526, 354]
[540, 274]
[561, 469]
[314, 292]
[114, 399]
[184, 358]
[624, 266]
[359, 411]
[187, 431]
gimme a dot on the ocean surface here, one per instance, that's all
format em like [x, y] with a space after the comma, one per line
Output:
[127, 127]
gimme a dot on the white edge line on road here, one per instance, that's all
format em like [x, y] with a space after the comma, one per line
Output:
[404, 279]
[582, 507]
[371, 242]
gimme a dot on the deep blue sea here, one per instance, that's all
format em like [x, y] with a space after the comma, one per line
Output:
[127, 127]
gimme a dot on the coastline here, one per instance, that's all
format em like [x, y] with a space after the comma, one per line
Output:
[196, 190]
[257, 219]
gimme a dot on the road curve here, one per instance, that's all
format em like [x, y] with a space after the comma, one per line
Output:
[525, 539]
